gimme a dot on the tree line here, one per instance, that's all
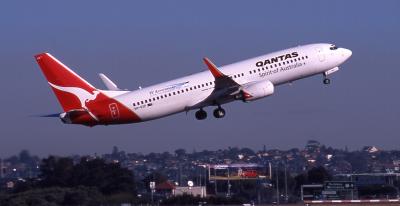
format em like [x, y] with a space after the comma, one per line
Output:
[61, 182]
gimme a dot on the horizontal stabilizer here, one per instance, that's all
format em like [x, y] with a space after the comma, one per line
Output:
[47, 115]
[109, 84]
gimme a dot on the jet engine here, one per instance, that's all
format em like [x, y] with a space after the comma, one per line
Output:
[257, 90]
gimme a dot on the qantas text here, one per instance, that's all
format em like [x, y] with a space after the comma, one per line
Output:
[277, 59]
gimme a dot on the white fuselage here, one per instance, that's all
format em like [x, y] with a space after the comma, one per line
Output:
[188, 92]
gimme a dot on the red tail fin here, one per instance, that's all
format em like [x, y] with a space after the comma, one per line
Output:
[82, 102]
[66, 84]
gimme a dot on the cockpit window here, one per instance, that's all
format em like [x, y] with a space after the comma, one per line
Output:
[333, 47]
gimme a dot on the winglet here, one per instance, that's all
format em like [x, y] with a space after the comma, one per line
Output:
[213, 69]
[109, 84]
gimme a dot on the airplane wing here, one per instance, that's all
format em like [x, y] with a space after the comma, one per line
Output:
[221, 80]
[225, 88]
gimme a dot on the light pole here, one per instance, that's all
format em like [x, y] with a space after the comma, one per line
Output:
[286, 194]
[229, 184]
[203, 171]
[215, 181]
[277, 185]
[152, 188]
[1, 168]
[352, 189]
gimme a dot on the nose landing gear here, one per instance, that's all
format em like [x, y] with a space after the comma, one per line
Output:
[327, 81]
[326, 73]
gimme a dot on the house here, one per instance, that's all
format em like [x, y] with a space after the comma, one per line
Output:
[165, 188]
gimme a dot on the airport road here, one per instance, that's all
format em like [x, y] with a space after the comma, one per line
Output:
[337, 204]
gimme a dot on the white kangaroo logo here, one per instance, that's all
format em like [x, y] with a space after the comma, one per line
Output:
[83, 95]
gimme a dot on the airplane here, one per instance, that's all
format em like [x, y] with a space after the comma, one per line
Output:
[245, 81]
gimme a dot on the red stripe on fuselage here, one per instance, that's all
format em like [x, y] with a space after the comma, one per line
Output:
[111, 111]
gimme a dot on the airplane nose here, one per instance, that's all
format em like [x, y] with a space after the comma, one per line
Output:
[346, 53]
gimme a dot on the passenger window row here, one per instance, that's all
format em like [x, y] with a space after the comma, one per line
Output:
[237, 75]
[172, 94]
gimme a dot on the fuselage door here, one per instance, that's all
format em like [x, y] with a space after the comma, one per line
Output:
[320, 53]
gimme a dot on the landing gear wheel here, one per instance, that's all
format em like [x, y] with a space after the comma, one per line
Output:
[327, 81]
[201, 114]
[219, 112]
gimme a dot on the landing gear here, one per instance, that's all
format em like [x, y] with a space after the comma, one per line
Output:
[219, 112]
[201, 114]
[326, 73]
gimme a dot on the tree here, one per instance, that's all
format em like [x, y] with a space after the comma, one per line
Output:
[108, 178]
[300, 179]
[359, 161]
[247, 151]
[54, 196]
[24, 156]
[56, 171]
[180, 152]
[115, 150]
[156, 177]
[318, 175]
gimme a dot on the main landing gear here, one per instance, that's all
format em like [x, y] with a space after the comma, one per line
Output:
[201, 114]
[218, 113]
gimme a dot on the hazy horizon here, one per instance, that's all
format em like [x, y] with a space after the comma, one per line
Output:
[188, 150]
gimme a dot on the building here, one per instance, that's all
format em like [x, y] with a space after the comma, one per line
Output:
[194, 191]
[165, 189]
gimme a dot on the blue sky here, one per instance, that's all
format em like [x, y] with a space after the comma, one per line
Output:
[143, 43]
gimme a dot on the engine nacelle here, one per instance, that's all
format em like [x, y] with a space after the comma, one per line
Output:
[257, 90]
